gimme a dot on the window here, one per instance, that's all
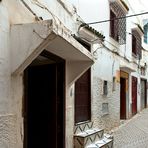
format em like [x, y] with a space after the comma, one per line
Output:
[113, 26]
[105, 109]
[146, 33]
[114, 84]
[134, 49]
[117, 26]
[142, 70]
[105, 90]
[136, 43]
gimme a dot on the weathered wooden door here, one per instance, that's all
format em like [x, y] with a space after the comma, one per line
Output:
[83, 98]
[134, 95]
[122, 98]
[44, 105]
[143, 94]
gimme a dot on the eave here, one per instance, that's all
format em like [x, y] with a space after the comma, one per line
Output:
[139, 29]
[29, 40]
[90, 34]
[122, 5]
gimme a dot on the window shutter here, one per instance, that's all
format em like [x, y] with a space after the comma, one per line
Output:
[145, 33]
[112, 24]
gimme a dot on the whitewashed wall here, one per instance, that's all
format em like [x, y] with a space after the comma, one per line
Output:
[106, 64]
[11, 86]
[98, 10]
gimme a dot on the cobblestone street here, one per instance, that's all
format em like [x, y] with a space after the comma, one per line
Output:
[133, 133]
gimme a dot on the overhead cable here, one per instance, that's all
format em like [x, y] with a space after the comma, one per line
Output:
[117, 18]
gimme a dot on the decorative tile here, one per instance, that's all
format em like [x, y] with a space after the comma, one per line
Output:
[82, 127]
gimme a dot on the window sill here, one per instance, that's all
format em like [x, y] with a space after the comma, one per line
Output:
[115, 42]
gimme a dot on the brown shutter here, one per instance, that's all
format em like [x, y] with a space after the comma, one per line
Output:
[82, 98]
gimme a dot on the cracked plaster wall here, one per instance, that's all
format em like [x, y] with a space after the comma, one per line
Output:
[11, 86]
[101, 120]
[8, 119]
[105, 68]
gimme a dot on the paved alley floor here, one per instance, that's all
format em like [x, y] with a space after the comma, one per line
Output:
[133, 133]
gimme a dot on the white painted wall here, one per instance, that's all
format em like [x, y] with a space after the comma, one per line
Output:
[106, 64]
[11, 86]
[98, 10]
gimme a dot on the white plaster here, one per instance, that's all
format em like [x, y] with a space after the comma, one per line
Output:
[27, 44]
[104, 68]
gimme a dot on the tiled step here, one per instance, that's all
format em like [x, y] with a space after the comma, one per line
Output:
[81, 127]
[87, 137]
[103, 143]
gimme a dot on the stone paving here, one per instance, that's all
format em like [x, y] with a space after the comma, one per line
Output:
[133, 133]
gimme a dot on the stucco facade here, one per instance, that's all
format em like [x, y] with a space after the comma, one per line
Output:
[109, 60]
[27, 27]
[23, 38]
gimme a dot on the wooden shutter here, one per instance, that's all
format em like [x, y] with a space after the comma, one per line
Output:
[82, 98]
[112, 24]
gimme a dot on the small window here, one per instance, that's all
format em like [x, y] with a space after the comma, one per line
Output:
[136, 44]
[146, 33]
[113, 26]
[142, 69]
[134, 48]
[105, 91]
[114, 84]
[105, 110]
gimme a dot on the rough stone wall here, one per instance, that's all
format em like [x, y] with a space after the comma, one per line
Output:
[8, 131]
[111, 118]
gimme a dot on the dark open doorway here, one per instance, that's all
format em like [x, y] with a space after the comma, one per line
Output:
[122, 98]
[134, 95]
[44, 110]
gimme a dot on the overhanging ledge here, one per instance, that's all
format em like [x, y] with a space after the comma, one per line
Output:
[127, 69]
[29, 40]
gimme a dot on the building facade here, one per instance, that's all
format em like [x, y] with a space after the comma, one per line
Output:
[120, 65]
[63, 81]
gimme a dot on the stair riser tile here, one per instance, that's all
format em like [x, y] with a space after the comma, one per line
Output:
[94, 137]
[83, 127]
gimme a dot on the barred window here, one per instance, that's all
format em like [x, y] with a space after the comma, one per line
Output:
[117, 26]
[136, 44]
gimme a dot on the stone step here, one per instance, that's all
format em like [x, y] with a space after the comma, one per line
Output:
[87, 137]
[103, 143]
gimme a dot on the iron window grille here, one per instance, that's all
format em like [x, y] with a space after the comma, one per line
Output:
[117, 26]
[136, 44]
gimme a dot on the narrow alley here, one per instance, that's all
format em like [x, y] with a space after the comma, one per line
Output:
[133, 133]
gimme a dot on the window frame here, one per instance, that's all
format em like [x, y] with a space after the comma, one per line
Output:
[113, 22]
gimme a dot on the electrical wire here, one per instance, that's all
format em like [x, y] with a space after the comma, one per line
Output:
[117, 18]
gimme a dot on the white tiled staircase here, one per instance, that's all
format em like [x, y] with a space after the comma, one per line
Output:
[85, 136]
